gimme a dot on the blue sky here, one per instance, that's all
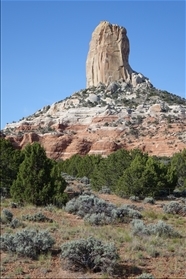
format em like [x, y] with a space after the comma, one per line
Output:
[44, 46]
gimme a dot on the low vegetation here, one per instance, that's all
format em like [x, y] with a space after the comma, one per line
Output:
[97, 211]
[28, 242]
[158, 229]
[90, 255]
[175, 207]
[37, 217]
[91, 229]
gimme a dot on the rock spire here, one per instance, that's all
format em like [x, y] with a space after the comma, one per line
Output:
[108, 57]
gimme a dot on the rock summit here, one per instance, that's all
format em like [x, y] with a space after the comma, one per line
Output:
[108, 58]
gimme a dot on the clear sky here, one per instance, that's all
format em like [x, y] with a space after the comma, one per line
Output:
[44, 46]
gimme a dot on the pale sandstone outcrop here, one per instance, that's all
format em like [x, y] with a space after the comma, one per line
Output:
[108, 57]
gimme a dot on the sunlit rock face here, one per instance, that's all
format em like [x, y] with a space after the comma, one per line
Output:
[108, 57]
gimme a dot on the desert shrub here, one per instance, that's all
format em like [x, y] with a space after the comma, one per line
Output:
[146, 276]
[90, 254]
[182, 200]
[134, 198]
[50, 207]
[177, 193]
[149, 200]
[138, 227]
[27, 242]
[159, 229]
[38, 217]
[133, 206]
[98, 212]
[13, 205]
[73, 192]
[88, 204]
[183, 211]
[6, 216]
[87, 191]
[126, 211]
[162, 229]
[16, 223]
[105, 190]
[98, 219]
[85, 180]
[174, 207]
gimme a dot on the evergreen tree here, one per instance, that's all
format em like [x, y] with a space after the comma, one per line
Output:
[99, 176]
[58, 185]
[146, 176]
[87, 165]
[10, 159]
[110, 169]
[35, 181]
[154, 178]
[116, 163]
[177, 170]
[71, 165]
[130, 182]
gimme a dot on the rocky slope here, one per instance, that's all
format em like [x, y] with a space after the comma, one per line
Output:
[102, 119]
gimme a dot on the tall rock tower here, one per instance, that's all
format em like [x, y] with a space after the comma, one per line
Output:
[108, 55]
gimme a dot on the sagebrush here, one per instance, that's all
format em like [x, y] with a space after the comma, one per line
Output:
[90, 254]
[27, 242]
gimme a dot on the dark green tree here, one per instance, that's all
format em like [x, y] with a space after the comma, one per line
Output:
[130, 182]
[36, 182]
[58, 185]
[109, 170]
[154, 178]
[146, 176]
[87, 165]
[177, 170]
[70, 165]
[10, 159]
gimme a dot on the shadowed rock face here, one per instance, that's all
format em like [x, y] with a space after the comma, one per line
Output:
[108, 55]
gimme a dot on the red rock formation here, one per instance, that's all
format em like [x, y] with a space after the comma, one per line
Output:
[156, 140]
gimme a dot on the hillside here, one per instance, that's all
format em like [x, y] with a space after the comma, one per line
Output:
[102, 119]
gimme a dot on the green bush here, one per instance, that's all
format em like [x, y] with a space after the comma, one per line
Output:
[90, 254]
[27, 242]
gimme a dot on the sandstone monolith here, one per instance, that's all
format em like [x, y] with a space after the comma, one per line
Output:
[108, 57]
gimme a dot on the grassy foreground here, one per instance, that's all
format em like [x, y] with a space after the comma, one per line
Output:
[162, 256]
